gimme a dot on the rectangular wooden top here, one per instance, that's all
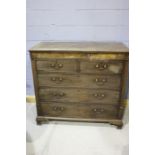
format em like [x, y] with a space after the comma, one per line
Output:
[80, 47]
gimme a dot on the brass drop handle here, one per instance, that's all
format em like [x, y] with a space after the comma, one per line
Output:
[97, 110]
[101, 66]
[58, 108]
[99, 95]
[58, 94]
[57, 79]
[100, 81]
[52, 65]
[62, 94]
[60, 65]
[95, 95]
[60, 78]
[54, 108]
[53, 78]
[102, 95]
[56, 65]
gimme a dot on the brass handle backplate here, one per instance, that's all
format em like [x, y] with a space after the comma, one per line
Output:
[56, 65]
[57, 94]
[98, 110]
[101, 66]
[57, 79]
[100, 81]
[99, 95]
[59, 109]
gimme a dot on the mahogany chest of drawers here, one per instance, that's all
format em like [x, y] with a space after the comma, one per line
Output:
[80, 81]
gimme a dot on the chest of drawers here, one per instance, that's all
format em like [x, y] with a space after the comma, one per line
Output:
[80, 81]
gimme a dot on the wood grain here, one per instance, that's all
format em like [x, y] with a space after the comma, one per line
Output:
[94, 55]
[80, 46]
[79, 81]
[70, 110]
[102, 67]
[35, 80]
[78, 95]
[57, 65]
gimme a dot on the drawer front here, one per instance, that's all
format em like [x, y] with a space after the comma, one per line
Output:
[53, 65]
[79, 111]
[79, 95]
[103, 67]
[80, 81]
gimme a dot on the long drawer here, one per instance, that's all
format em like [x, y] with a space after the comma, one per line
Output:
[80, 81]
[79, 111]
[79, 95]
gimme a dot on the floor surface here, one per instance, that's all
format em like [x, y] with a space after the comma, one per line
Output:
[73, 138]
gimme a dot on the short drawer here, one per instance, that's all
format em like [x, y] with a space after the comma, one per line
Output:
[79, 95]
[56, 65]
[103, 67]
[80, 81]
[79, 111]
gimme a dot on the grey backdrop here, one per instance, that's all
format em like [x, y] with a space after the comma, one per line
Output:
[73, 20]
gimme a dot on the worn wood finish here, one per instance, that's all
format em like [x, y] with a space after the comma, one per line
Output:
[57, 65]
[80, 81]
[79, 95]
[122, 103]
[101, 67]
[46, 119]
[39, 55]
[91, 66]
[35, 80]
[73, 110]
[81, 47]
